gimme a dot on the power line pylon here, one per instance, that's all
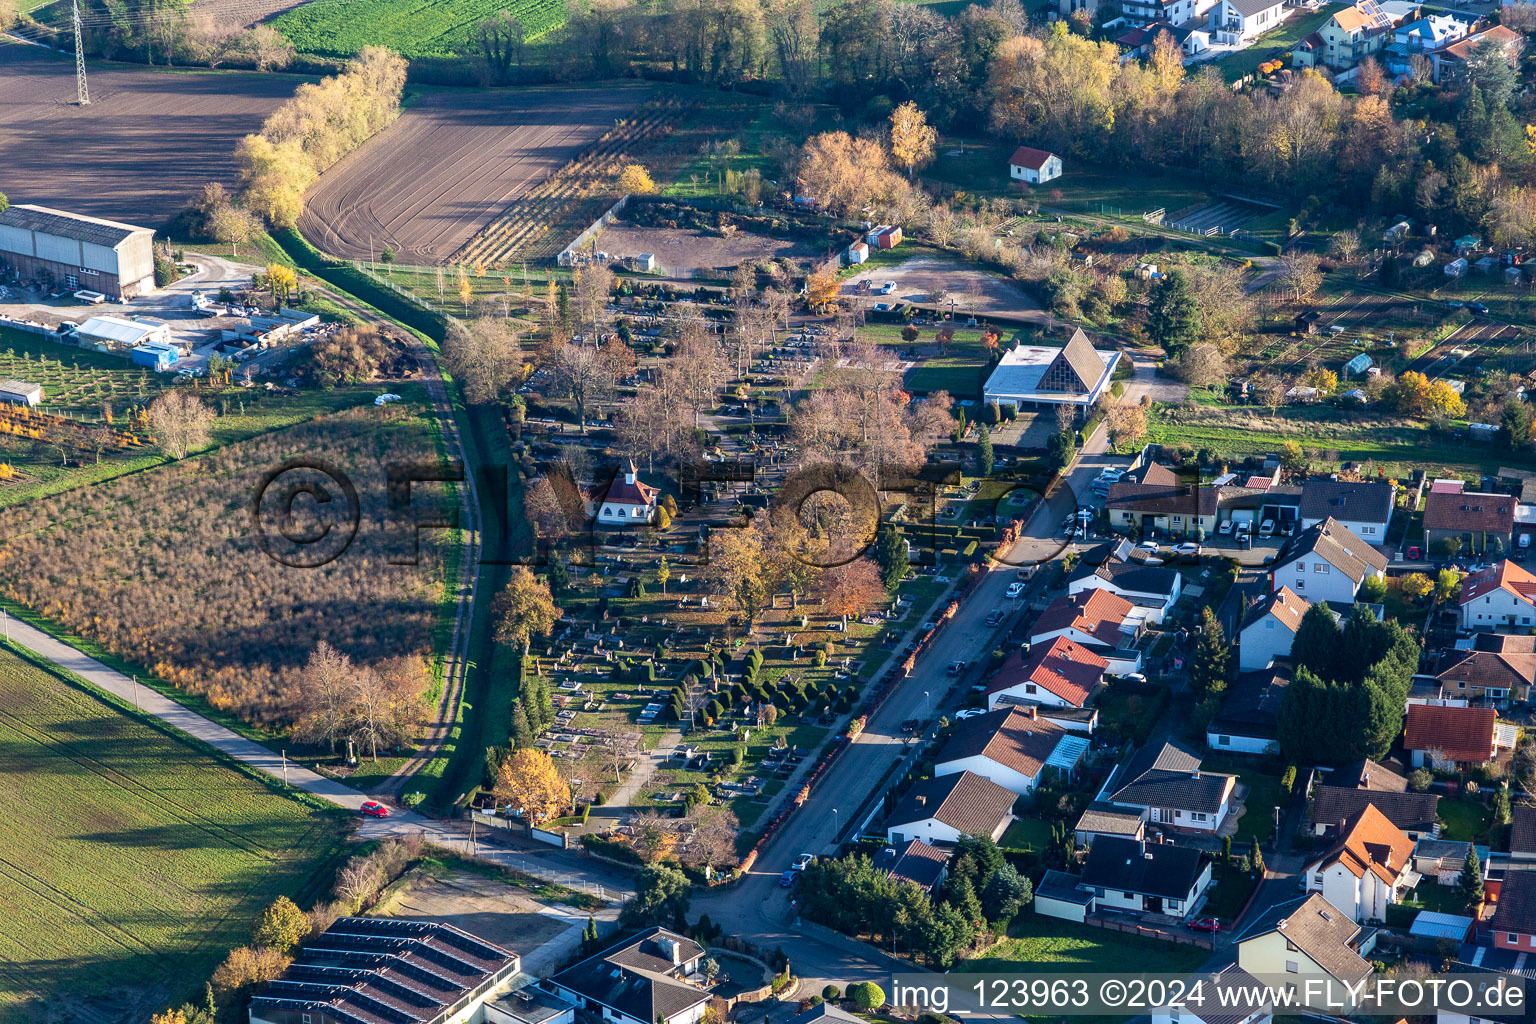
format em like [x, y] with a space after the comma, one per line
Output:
[82, 94]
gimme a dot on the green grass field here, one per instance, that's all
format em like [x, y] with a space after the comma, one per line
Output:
[412, 28]
[132, 861]
[1271, 45]
[1078, 949]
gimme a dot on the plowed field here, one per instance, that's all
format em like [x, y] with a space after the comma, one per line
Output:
[450, 164]
[141, 149]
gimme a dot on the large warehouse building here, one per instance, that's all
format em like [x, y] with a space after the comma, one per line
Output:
[69, 251]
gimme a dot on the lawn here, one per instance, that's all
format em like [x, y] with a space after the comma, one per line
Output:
[132, 861]
[1464, 819]
[1272, 44]
[1230, 893]
[1264, 795]
[1027, 834]
[340, 28]
[1037, 943]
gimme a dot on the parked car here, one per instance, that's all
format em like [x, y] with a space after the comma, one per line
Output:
[374, 809]
[956, 667]
[1148, 546]
[787, 879]
[1188, 550]
[1225, 529]
[1015, 589]
[802, 862]
[1267, 528]
[995, 618]
[1205, 924]
[888, 288]
[910, 727]
[1478, 308]
[1415, 553]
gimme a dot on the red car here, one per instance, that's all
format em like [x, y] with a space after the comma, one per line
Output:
[1413, 553]
[374, 809]
[1205, 924]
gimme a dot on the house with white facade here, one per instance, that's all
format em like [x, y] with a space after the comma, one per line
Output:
[1447, 737]
[1060, 673]
[1164, 785]
[1306, 939]
[946, 807]
[1154, 589]
[1100, 620]
[1249, 719]
[1035, 166]
[1154, 878]
[1013, 747]
[1269, 630]
[1327, 563]
[638, 981]
[627, 501]
[1233, 1002]
[1074, 376]
[1238, 22]
[1364, 508]
[1370, 868]
[1496, 597]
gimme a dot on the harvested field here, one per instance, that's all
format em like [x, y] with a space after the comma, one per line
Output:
[237, 14]
[682, 253]
[131, 862]
[148, 140]
[452, 162]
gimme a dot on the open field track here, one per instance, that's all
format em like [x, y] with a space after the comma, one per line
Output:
[131, 863]
[541, 222]
[453, 160]
[141, 149]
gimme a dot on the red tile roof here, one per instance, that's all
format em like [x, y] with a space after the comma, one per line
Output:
[1372, 843]
[1099, 613]
[1067, 669]
[1506, 576]
[1034, 159]
[1460, 734]
[622, 491]
[1469, 512]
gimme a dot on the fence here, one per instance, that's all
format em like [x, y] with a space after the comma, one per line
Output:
[568, 255]
[23, 325]
[402, 292]
[1173, 935]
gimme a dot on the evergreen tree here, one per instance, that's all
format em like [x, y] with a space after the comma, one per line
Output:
[891, 555]
[983, 450]
[1256, 857]
[522, 732]
[1060, 448]
[959, 425]
[1515, 424]
[1173, 317]
[1469, 884]
[559, 577]
[1317, 640]
[1005, 893]
[1226, 852]
[1501, 809]
[1210, 664]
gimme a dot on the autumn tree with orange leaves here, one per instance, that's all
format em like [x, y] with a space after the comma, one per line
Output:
[528, 781]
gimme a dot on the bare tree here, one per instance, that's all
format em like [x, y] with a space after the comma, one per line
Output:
[582, 374]
[180, 422]
[594, 287]
[326, 703]
[482, 356]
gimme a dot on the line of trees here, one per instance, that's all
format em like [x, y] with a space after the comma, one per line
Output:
[323, 122]
[371, 705]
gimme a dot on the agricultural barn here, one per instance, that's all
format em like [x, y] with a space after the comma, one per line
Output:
[19, 392]
[1034, 377]
[1033, 165]
[114, 333]
[71, 251]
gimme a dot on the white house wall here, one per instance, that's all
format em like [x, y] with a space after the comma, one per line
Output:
[1009, 778]
[1262, 642]
[1239, 744]
[1302, 576]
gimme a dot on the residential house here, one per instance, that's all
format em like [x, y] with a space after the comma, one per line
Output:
[1100, 620]
[1468, 523]
[1356, 32]
[1442, 737]
[1269, 630]
[1327, 563]
[1514, 917]
[1064, 896]
[1306, 939]
[1169, 12]
[1498, 595]
[1248, 722]
[1444, 859]
[1153, 878]
[1233, 1003]
[1522, 835]
[946, 807]
[1450, 62]
[1192, 37]
[627, 501]
[1370, 868]
[1155, 589]
[1060, 673]
[1242, 21]
[638, 981]
[1068, 7]
[378, 968]
[920, 863]
[1035, 166]
[1346, 792]
[825, 1012]
[1154, 499]
[1074, 376]
[1364, 508]
[1421, 36]
[1163, 783]
[1012, 747]
[1499, 668]
[1103, 819]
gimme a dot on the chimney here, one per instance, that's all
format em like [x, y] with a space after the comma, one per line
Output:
[1032, 711]
[670, 946]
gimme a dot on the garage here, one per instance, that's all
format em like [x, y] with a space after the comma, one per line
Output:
[1063, 896]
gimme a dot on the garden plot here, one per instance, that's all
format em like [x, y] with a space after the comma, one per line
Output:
[685, 253]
